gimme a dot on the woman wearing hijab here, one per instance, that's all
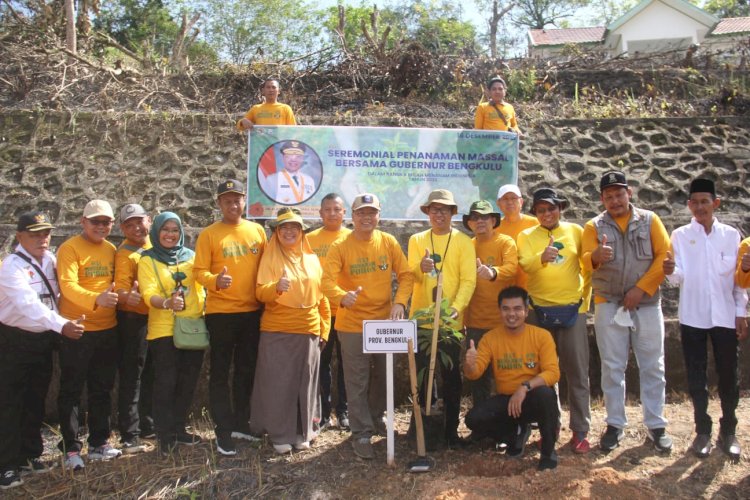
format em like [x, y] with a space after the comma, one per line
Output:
[165, 277]
[294, 327]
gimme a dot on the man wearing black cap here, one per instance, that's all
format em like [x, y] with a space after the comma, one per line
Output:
[29, 324]
[227, 255]
[625, 247]
[497, 263]
[560, 290]
[712, 307]
[290, 186]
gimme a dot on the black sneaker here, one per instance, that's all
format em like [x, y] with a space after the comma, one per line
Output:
[731, 446]
[36, 466]
[225, 446]
[662, 441]
[343, 420]
[10, 478]
[188, 438]
[134, 445]
[611, 438]
[547, 462]
[518, 443]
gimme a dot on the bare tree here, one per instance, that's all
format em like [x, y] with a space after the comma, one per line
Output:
[494, 21]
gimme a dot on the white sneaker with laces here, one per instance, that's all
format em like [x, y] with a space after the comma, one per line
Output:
[73, 461]
[104, 452]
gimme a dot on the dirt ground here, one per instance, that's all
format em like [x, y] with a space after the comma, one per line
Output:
[331, 470]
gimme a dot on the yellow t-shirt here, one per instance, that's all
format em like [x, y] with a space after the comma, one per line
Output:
[499, 253]
[84, 271]
[486, 117]
[238, 247]
[370, 264]
[513, 229]
[516, 358]
[321, 240]
[741, 277]
[277, 317]
[458, 266]
[161, 321]
[270, 114]
[555, 283]
[126, 272]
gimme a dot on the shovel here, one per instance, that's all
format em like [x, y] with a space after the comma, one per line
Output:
[423, 463]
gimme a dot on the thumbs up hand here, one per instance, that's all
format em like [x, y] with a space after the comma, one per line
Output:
[283, 284]
[107, 298]
[551, 252]
[603, 253]
[223, 280]
[471, 356]
[668, 264]
[427, 265]
[484, 272]
[350, 298]
[133, 297]
[73, 329]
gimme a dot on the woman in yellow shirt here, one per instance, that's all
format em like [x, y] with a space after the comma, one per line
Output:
[293, 329]
[165, 277]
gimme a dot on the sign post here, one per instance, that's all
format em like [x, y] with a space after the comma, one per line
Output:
[389, 338]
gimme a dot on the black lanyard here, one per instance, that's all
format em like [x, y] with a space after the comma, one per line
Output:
[442, 259]
[41, 273]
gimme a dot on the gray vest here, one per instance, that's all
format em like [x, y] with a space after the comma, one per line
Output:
[633, 256]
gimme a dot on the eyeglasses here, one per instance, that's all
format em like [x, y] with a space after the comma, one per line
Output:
[440, 211]
[100, 222]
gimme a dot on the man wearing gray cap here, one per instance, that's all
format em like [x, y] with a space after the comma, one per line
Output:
[133, 392]
[29, 328]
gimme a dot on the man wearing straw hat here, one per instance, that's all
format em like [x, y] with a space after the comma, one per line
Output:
[447, 251]
[358, 278]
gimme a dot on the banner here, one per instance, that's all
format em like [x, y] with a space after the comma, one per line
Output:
[298, 166]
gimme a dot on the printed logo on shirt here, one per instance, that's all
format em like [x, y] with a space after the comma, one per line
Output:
[97, 270]
[489, 261]
[322, 250]
[530, 360]
[269, 114]
[510, 361]
[362, 266]
[383, 262]
[254, 249]
[234, 249]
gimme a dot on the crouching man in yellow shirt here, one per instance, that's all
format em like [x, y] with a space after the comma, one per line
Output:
[524, 363]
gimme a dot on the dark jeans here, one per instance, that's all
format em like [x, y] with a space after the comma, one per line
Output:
[90, 361]
[483, 387]
[176, 373]
[131, 330]
[725, 347]
[25, 373]
[325, 376]
[490, 417]
[146, 399]
[452, 384]
[233, 337]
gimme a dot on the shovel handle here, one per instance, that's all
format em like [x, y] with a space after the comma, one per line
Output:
[415, 400]
[433, 346]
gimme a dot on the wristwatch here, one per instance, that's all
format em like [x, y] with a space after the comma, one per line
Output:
[527, 385]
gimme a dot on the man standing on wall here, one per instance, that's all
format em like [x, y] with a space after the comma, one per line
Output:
[270, 111]
[510, 203]
[712, 307]
[625, 247]
[227, 255]
[332, 213]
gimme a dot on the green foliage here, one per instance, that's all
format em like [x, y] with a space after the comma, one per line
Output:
[449, 333]
[135, 23]
[521, 84]
[728, 8]
[538, 14]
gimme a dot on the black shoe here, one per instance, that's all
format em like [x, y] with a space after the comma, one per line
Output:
[325, 424]
[662, 441]
[518, 443]
[343, 420]
[10, 478]
[455, 442]
[702, 445]
[133, 445]
[36, 466]
[547, 462]
[611, 438]
[225, 446]
[731, 446]
[188, 438]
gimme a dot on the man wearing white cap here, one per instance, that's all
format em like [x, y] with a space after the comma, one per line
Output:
[510, 202]
[132, 317]
[86, 273]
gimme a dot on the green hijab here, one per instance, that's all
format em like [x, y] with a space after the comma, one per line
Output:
[170, 256]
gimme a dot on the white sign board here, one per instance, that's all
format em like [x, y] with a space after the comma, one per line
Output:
[388, 336]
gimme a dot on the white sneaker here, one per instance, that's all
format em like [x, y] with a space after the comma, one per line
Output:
[104, 452]
[244, 435]
[281, 449]
[73, 461]
[301, 445]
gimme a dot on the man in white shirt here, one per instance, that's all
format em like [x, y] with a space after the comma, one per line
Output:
[29, 323]
[712, 307]
[290, 186]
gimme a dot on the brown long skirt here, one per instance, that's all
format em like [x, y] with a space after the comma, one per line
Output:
[285, 390]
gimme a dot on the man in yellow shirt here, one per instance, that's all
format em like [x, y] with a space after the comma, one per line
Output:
[332, 212]
[497, 262]
[447, 251]
[550, 253]
[510, 203]
[496, 114]
[358, 277]
[135, 379]
[86, 274]
[227, 255]
[524, 364]
[742, 275]
[270, 111]
[624, 247]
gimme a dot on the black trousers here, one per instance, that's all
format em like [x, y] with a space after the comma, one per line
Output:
[176, 373]
[234, 341]
[326, 380]
[484, 386]
[695, 350]
[132, 347]
[491, 418]
[25, 373]
[90, 361]
[451, 387]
